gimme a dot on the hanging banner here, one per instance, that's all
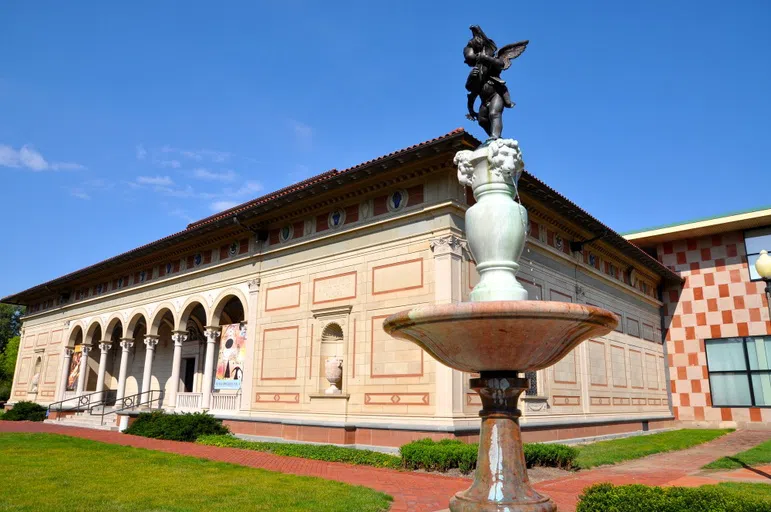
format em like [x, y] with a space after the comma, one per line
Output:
[72, 377]
[230, 364]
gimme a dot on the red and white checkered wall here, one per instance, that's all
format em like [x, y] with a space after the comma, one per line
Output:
[717, 300]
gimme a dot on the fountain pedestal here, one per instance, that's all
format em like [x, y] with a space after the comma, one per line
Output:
[501, 481]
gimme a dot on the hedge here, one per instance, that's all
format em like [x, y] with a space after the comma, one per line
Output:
[25, 411]
[451, 453]
[176, 427]
[329, 453]
[633, 498]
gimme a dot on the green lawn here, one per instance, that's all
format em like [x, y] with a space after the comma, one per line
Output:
[44, 472]
[760, 454]
[635, 447]
[759, 491]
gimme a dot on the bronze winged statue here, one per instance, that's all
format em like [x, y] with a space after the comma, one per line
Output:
[484, 80]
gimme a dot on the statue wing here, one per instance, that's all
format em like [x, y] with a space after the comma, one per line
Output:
[511, 52]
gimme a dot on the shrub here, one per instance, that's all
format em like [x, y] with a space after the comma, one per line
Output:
[25, 411]
[633, 498]
[176, 427]
[327, 453]
[450, 454]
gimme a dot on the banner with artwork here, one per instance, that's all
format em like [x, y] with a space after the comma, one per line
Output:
[230, 363]
[72, 377]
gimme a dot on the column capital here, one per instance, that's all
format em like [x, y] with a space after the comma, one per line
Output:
[254, 285]
[179, 337]
[448, 244]
[85, 348]
[126, 343]
[69, 351]
[105, 345]
[151, 341]
[212, 332]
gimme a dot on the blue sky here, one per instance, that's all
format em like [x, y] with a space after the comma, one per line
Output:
[120, 122]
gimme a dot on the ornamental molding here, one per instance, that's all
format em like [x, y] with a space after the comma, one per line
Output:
[448, 244]
[254, 285]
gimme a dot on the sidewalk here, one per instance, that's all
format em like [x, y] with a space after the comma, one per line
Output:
[415, 492]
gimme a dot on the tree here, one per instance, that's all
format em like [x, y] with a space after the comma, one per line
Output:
[10, 323]
[8, 366]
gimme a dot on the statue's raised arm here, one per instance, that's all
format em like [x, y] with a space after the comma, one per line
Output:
[484, 80]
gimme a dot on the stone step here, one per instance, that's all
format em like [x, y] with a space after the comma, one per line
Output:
[108, 425]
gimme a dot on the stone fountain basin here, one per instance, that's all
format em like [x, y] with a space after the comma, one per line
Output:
[500, 335]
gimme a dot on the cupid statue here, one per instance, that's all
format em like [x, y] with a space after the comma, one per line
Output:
[484, 80]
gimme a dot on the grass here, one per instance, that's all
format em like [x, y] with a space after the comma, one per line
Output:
[760, 454]
[629, 448]
[46, 472]
[330, 453]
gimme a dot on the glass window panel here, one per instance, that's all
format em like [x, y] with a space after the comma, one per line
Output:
[761, 387]
[751, 259]
[726, 355]
[758, 239]
[730, 389]
[759, 352]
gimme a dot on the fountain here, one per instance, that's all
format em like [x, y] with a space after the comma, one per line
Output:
[499, 334]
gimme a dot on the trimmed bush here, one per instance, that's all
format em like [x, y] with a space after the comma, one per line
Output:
[327, 453]
[176, 427]
[451, 454]
[25, 411]
[634, 498]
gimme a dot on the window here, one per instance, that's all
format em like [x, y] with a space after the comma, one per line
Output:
[756, 240]
[740, 371]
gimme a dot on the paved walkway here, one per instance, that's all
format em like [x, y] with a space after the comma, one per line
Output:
[415, 492]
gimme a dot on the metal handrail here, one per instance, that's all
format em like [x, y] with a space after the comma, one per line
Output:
[83, 402]
[129, 402]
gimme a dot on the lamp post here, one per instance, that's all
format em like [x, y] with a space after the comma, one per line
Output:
[763, 266]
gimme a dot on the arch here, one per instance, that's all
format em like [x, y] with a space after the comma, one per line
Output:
[222, 301]
[332, 332]
[136, 318]
[114, 321]
[94, 332]
[76, 335]
[187, 308]
[158, 317]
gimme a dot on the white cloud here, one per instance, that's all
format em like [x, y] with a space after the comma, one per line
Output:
[158, 181]
[174, 164]
[29, 158]
[199, 154]
[250, 188]
[206, 174]
[303, 133]
[80, 194]
[141, 152]
[218, 206]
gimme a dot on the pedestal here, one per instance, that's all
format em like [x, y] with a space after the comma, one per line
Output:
[500, 483]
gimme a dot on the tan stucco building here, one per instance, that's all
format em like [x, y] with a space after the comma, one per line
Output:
[310, 272]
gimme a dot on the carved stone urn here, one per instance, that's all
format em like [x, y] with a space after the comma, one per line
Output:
[499, 334]
[496, 226]
[333, 368]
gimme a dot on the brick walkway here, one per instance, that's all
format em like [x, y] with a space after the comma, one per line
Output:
[416, 492]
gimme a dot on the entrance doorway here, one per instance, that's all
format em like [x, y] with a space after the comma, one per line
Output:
[188, 373]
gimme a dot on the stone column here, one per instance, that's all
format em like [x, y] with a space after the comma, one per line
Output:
[65, 373]
[212, 333]
[85, 349]
[125, 345]
[150, 342]
[251, 343]
[178, 337]
[448, 272]
[104, 347]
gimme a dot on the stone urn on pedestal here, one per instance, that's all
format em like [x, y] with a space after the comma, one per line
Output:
[333, 371]
[499, 333]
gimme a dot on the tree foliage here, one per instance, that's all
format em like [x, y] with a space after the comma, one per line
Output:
[10, 323]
